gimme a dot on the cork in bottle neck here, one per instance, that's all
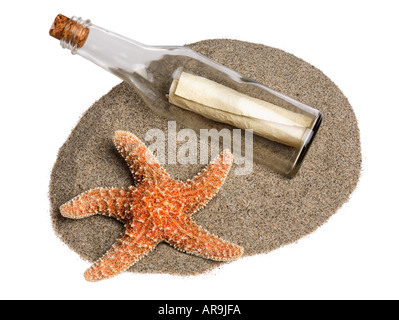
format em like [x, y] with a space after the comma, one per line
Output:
[72, 32]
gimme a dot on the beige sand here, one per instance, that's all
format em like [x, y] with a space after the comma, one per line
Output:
[262, 211]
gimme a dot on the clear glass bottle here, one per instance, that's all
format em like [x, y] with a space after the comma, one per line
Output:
[182, 85]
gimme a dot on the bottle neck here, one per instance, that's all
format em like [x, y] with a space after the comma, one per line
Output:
[74, 34]
[110, 51]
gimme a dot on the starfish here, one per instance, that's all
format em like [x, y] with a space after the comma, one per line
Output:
[156, 209]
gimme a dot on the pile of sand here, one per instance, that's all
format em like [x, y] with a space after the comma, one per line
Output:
[261, 211]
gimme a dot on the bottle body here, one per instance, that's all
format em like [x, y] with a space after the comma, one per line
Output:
[182, 85]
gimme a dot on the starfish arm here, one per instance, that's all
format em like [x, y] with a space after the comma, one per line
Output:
[141, 161]
[111, 202]
[206, 184]
[132, 246]
[190, 238]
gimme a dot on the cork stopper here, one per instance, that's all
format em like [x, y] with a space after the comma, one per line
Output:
[69, 31]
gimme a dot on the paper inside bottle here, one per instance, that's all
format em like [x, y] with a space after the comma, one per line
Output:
[223, 104]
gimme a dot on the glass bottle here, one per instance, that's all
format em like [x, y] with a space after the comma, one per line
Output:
[182, 85]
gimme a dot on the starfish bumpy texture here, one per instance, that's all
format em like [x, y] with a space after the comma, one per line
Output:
[157, 209]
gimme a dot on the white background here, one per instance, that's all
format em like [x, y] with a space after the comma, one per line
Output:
[45, 90]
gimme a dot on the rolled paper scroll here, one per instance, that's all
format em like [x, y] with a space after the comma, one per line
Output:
[220, 103]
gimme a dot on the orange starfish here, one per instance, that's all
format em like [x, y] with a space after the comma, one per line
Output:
[157, 209]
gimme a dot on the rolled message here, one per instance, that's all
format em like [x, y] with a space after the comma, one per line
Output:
[220, 103]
